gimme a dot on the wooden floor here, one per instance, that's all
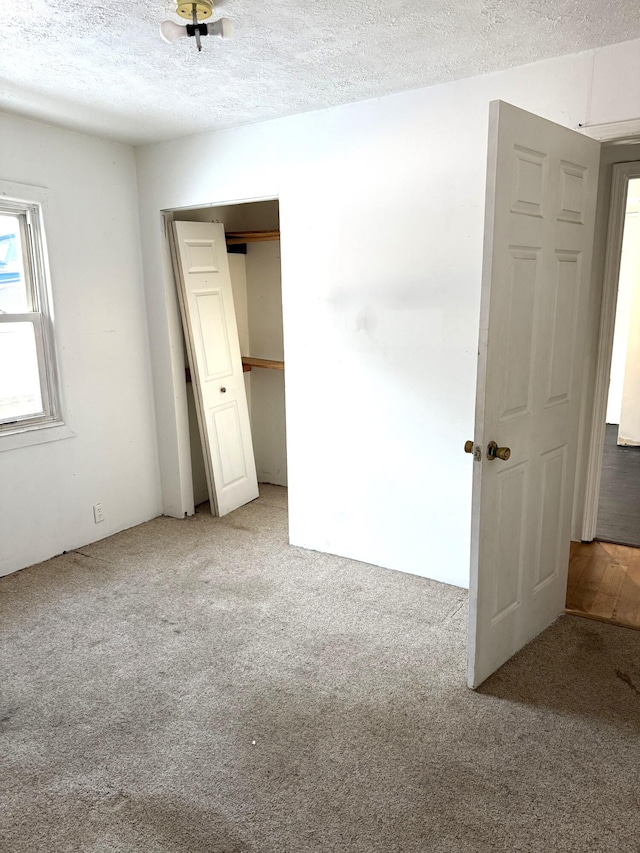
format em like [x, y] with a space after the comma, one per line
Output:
[604, 583]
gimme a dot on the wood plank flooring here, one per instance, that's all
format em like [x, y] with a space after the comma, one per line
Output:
[604, 583]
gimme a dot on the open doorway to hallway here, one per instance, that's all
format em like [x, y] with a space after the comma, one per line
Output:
[604, 575]
[619, 499]
[253, 254]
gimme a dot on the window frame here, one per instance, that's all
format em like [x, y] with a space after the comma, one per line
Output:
[29, 204]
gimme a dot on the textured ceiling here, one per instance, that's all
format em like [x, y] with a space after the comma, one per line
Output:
[102, 68]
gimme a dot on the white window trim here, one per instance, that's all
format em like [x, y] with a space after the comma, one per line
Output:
[51, 427]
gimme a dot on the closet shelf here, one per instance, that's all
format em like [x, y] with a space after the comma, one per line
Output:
[236, 238]
[248, 363]
[269, 363]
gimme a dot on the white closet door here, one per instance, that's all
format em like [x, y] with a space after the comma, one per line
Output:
[208, 316]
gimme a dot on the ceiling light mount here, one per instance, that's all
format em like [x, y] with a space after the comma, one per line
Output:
[203, 9]
[195, 11]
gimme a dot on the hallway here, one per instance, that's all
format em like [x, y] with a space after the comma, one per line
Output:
[619, 509]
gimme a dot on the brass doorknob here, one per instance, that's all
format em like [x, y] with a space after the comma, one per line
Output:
[495, 452]
[468, 447]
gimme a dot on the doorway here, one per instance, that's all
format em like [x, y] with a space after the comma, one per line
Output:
[604, 574]
[253, 252]
[618, 519]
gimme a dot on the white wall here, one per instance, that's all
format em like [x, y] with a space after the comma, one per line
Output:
[264, 301]
[381, 208]
[238, 273]
[47, 491]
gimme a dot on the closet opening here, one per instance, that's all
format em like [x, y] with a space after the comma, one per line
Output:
[252, 244]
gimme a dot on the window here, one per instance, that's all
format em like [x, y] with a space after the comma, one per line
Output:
[29, 396]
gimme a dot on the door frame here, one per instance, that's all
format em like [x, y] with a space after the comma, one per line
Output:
[622, 174]
[182, 473]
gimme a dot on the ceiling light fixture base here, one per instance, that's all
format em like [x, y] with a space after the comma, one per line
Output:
[203, 9]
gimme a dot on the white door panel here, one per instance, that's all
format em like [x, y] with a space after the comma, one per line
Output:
[541, 194]
[206, 303]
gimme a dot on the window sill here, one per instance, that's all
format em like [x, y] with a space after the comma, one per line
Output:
[40, 434]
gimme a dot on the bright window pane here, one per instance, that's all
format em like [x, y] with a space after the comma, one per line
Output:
[13, 287]
[19, 378]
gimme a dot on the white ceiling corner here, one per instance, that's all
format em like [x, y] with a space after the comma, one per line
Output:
[102, 67]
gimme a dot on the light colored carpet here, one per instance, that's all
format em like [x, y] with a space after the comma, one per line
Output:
[199, 686]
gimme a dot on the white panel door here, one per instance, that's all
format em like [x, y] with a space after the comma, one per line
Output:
[211, 333]
[541, 197]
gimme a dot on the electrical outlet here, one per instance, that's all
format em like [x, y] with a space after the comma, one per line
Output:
[98, 513]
